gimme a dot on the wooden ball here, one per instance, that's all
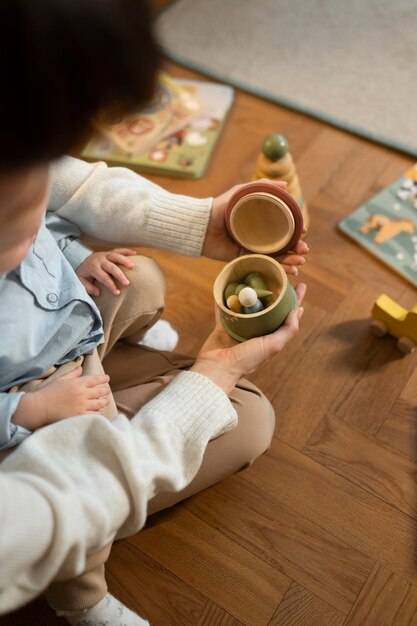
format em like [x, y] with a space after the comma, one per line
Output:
[247, 296]
[233, 304]
[230, 289]
[258, 306]
[275, 147]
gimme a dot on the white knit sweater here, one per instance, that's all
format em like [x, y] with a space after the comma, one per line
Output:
[73, 486]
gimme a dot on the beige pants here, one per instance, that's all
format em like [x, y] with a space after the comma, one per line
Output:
[137, 374]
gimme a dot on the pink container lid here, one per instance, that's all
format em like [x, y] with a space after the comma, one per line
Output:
[291, 225]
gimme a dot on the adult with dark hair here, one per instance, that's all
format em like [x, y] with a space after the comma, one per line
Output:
[76, 484]
[61, 62]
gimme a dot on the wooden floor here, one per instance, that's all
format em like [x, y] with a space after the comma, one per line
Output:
[322, 530]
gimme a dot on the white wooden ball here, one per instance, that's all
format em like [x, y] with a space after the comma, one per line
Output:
[247, 296]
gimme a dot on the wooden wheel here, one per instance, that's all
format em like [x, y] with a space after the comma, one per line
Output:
[378, 328]
[406, 345]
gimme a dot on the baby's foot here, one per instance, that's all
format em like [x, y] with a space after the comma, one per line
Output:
[161, 336]
[108, 612]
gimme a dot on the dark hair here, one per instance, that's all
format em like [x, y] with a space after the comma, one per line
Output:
[61, 62]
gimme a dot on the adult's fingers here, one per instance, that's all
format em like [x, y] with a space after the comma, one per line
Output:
[276, 342]
[300, 290]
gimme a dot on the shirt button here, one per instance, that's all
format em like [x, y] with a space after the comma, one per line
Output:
[52, 298]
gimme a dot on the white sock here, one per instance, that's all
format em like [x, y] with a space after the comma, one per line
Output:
[160, 337]
[108, 612]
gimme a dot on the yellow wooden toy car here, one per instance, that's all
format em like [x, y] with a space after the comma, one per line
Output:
[390, 317]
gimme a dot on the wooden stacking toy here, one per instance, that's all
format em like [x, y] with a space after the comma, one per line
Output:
[250, 295]
[264, 218]
[276, 163]
[252, 292]
[253, 272]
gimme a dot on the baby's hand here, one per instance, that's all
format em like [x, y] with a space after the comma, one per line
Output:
[70, 395]
[102, 267]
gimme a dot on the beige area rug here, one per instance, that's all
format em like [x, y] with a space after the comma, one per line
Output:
[350, 63]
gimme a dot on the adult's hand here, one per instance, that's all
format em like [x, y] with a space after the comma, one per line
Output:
[220, 246]
[225, 361]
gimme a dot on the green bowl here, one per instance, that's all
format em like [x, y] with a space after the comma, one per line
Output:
[242, 326]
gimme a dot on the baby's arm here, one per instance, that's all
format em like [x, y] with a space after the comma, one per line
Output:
[68, 239]
[91, 267]
[105, 268]
[11, 434]
[63, 397]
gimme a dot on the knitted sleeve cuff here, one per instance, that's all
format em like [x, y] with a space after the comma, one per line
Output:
[195, 405]
[179, 223]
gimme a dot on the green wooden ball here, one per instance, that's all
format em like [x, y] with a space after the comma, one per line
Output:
[275, 147]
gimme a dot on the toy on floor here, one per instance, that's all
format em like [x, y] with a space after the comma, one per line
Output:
[408, 189]
[390, 317]
[387, 227]
[248, 296]
[276, 163]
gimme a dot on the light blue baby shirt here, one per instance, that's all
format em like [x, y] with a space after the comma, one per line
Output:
[46, 316]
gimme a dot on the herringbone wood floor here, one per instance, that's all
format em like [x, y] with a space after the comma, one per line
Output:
[322, 530]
